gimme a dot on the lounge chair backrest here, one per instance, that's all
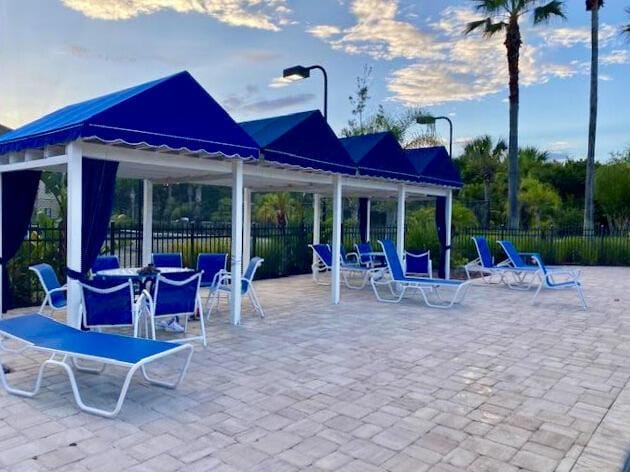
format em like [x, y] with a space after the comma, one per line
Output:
[174, 297]
[393, 261]
[363, 249]
[210, 264]
[49, 281]
[250, 272]
[483, 249]
[513, 255]
[167, 259]
[105, 263]
[107, 302]
[324, 253]
[418, 262]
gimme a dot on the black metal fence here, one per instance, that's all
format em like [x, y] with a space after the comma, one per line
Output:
[286, 252]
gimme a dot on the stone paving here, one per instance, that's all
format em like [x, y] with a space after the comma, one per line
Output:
[497, 384]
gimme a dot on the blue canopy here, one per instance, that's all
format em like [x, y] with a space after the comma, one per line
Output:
[379, 155]
[173, 112]
[434, 166]
[301, 139]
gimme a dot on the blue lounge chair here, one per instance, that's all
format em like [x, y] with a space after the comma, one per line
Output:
[224, 286]
[65, 344]
[176, 295]
[167, 259]
[349, 271]
[105, 263]
[399, 284]
[418, 263]
[54, 292]
[552, 278]
[513, 277]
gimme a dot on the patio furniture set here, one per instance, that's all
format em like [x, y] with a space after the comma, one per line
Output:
[118, 297]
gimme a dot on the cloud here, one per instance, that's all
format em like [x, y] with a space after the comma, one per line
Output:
[81, 52]
[258, 55]
[274, 104]
[323, 31]
[259, 14]
[279, 82]
[443, 64]
[569, 37]
[618, 56]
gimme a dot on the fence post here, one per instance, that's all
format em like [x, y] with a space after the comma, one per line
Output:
[112, 239]
[254, 238]
[192, 241]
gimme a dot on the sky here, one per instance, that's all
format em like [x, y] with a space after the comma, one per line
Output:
[57, 52]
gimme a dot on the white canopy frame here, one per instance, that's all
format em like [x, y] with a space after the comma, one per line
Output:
[164, 165]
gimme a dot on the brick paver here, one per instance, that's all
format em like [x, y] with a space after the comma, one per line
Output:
[496, 384]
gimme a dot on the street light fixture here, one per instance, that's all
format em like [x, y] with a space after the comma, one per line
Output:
[430, 120]
[304, 72]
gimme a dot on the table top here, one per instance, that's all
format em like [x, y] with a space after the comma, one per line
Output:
[132, 272]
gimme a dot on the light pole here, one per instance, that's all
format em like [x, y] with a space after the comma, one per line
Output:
[430, 120]
[303, 72]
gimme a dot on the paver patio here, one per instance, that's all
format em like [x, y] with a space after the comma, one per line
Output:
[497, 384]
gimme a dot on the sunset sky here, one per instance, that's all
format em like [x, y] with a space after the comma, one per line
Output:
[55, 52]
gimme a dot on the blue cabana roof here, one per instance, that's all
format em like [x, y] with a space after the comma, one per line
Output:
[301, 139]
[434, 165]
[173, 112]
[379, 155]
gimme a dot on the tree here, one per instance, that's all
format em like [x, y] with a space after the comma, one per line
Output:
[483, 158]
[612, 181]
[504, 16]
[626, 28]
[593, 6]
[540, 201]
[276, 208]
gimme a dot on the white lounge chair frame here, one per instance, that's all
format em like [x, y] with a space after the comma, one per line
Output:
[349, 271]
[222, 284]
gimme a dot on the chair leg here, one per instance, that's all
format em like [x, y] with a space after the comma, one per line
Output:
[43, 305]
[253, 297]
[578, 287]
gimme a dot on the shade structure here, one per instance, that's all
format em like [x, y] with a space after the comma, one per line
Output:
[433, 165]
[301, 139]
[173, 113]
[379, 155]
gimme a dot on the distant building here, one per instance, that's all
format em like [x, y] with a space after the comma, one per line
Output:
[45, 202]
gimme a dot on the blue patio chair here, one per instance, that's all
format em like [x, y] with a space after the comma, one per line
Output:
[54, 292]
[109, 303]
[367, 257]
[167, 259]
[399, 283]
[348, 271]
[418, 263]
[224, 286]
[211, 264]
[176, 295]
[105, 263]
[65, 345]
[557, 278]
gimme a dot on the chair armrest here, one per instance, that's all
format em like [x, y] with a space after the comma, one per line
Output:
[217, 277]
[59, 289]
[354, 255]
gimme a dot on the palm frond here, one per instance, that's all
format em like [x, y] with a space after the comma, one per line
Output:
[491, 7]
[626, 29]
[544, 13]
[489, 28]
[591, 3]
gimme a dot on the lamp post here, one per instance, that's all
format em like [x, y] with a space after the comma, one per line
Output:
[304, 72]
[430, 120]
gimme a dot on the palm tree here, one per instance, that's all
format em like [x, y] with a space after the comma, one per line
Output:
[484, 159]
[504, 16]
[276, 208]
[626, 28]
[593, 6]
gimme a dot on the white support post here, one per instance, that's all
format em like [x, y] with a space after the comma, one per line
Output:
[1, 254]
[73, 245]
[400, 222]
[368, 222]
[449, 217]
[237, 240]
[147, 222]
[336, 240]
[247, 226]
[317, 222]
